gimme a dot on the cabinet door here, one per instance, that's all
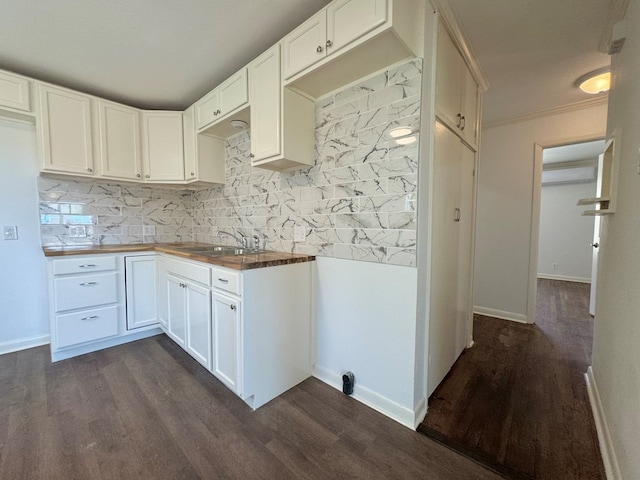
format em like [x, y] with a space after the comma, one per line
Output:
[64, 131]
[305, 45]
[266, 103]
[162, 146]
[444, 245]
[470, 109]
[233, 92]
[119, 141]
[199, 323]
[190, 144]
[227, 340]
[176, 309]
[207, 109]
[140, 278]
[450, 77]
[162, 293]
[347, 20]
[14, 92]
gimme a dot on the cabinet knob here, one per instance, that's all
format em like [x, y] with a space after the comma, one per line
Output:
[193, 174]
[147, 176]
[138, 175]
[319, 49]
[329, 43]
[233, 307]
[251, 155]
[89, 170]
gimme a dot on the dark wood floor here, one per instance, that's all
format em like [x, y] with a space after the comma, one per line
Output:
[518, 399]
[146, 410]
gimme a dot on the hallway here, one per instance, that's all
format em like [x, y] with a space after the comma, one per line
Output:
[517, 400]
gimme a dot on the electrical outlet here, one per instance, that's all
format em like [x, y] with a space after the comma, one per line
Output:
[77, 231]
[149, 230]
[555, 266]
[299, 234]
[10, 232]
[409, 202]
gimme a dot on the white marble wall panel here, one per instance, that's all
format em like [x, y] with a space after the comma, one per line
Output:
[112, 213]
[356, 202]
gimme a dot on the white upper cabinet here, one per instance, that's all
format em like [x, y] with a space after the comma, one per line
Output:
[119, 139]
[226, 98]
[203, 154]
[14, 92]
[163, 146]
[64, 131]
[456, 90]
[282, 120]
[350, 39]
[305, 45]
[348, 20]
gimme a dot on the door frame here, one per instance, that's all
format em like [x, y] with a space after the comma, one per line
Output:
[534, 239]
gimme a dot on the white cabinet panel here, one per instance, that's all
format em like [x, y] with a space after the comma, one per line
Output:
[207, 109]
[305, 45]
[227, 341]
[234, 92]
[198, 303]
[162, 146]
[14, 92]
[226, 280]
[98, 263]
[140, 278]
[347, 20]
[176, 310]
[86, 326]
[81, 291]
[64, 131]
[119, 128]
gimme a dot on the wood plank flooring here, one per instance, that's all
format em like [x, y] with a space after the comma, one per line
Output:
[517, 399]
[146, 410]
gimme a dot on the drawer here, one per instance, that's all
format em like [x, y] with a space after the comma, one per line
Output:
[86, 326]
[190, 271]
[82, 291]
[98, 263]
[226, 280]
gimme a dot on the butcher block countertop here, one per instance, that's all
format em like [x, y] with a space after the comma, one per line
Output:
[244, 261]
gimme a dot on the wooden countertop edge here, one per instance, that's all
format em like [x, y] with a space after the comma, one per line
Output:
[236, 262]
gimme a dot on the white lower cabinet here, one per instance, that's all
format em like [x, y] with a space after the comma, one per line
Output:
[140, 274]
[89, 310]
[227, 344]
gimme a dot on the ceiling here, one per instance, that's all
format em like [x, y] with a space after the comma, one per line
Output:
[533, 51]
[156, 54]
[574, 152]
[165, 54]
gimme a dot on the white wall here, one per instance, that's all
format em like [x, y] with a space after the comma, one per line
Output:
[505, 201]
[366, 323]
[565, 235]
[23, 285]
[616, 349]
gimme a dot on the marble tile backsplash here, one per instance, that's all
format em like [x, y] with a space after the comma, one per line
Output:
[74, 212]
[356, 202]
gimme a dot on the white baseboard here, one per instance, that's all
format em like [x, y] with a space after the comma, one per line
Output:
[564, 278]
[490, 312]
[23, 344]
[611, 467]
[421, 412]
[387, 407]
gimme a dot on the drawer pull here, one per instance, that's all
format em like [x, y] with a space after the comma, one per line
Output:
[87, 265]
[88, 284]
[92, 317]
[233, 307]
[223, 280]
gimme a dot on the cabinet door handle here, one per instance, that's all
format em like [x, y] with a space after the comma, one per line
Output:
[223, 280]
[463, 123]
[147, 176]
[458, 120]
[193, 174]
[233, 307]
[92, 317]
[329, 43]
[138, 175]
[87, 265]
[319, 49]
[90, 170]
[88, 284]
[251, 155]
[456, 217]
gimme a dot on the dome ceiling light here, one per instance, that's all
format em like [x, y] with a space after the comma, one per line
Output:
[598, 81]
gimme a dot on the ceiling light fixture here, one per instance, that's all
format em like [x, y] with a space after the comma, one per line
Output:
[239, 124]
[400, 132]
[598, 81]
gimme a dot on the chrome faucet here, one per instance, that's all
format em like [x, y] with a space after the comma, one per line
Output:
[256, 242]
[244, 241]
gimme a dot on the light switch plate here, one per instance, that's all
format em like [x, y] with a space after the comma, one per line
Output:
[299, 233]
[10, 232]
